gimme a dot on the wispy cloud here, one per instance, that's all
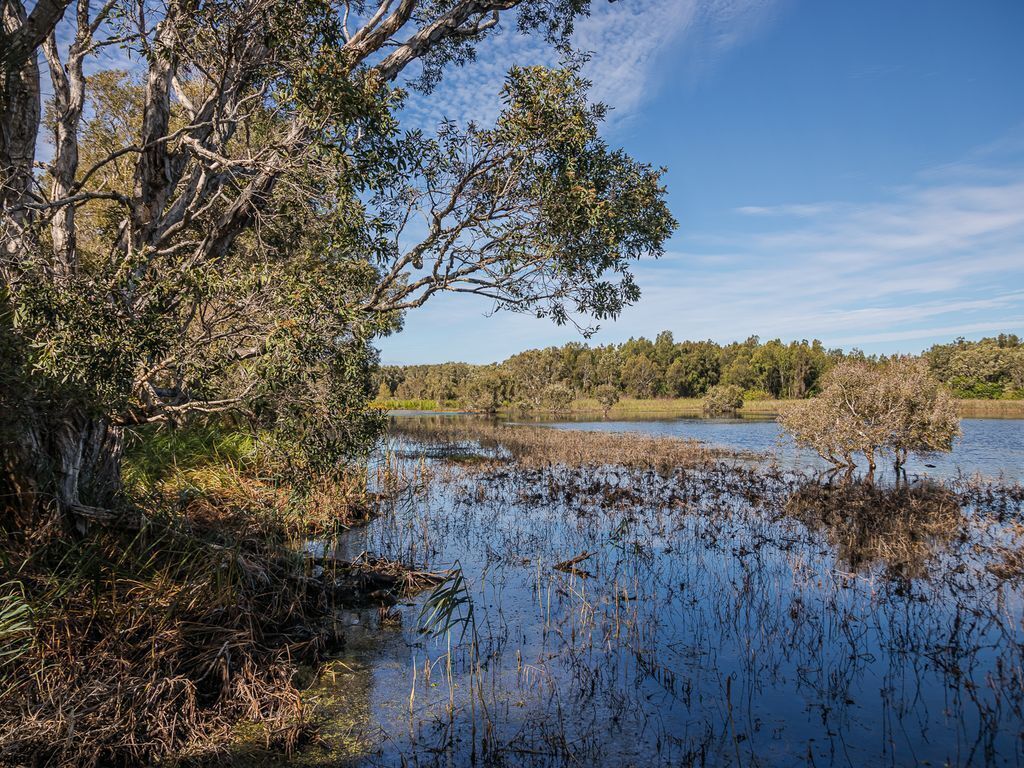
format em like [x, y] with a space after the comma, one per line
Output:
[939, 257]
[928, 261]
[628, 43]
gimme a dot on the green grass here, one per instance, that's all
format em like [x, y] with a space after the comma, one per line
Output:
[416, 405]
[197, 453]
[691, 406]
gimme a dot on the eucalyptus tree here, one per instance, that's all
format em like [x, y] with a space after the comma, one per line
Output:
[234, 241]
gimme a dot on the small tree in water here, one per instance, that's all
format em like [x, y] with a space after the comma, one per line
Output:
[607, 395]
[927, 417]
[897, 408]
[723, 399]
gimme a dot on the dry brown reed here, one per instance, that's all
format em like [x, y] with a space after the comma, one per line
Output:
[991, 409]
[541, 446]
[153, 646]
[1009, 564]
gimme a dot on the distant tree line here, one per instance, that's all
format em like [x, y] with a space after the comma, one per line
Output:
[992, 368]
[641, 368]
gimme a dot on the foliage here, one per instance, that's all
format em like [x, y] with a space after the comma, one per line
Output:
[864, 409]
[556, 397]
[607, 395]
[15, 628]
[723, 399]
[927, 418]
[989, 368]
[238, 249]
[448, 606]
[388, 378]
[644, 369]
[639, 368]
[483, 390]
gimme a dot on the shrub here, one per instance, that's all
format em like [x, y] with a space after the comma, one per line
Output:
[484, 390]
[557, 397]
[607, 395]
[898, 408]
[723, 399]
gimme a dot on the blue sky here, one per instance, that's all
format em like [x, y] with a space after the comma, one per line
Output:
[849, 171]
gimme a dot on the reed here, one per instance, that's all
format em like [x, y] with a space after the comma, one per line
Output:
[215, 476]
[542, 446]
[692, 406]
[991, 409]
[155, 644]
[416, 405]
[602, 584]
[126, 648]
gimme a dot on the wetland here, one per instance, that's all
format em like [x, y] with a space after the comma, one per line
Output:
[624, 594]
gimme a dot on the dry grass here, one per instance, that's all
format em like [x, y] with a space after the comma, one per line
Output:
[212, 478]
[541, 446]
[153, 646]
[991, 409]
[687, 406]
[692, 406]
[1010, 563]
[669, 406]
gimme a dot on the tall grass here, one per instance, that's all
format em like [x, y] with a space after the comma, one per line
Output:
[215, 475]
[149, 645]
[668, 406]
[132, 648]
[541, 446]
[205, 454]
[15, 629]
[416, 405]
[991, 409]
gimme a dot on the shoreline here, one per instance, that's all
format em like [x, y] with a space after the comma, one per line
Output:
[686, 406]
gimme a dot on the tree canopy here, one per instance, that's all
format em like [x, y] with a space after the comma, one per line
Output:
[226, 228]
[897, 408]
[664, 367]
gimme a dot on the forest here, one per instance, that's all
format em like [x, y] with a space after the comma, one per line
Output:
[990, 368]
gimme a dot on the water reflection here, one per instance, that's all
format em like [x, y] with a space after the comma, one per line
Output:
[992, 447]
[727, 615]
[902, 527]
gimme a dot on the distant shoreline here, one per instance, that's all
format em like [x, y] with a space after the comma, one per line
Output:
[691, 406]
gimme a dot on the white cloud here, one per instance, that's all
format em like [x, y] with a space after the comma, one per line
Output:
[928, 261]
[628, 41]
[877, 272]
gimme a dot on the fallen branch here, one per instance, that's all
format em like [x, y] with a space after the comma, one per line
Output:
[569, 566]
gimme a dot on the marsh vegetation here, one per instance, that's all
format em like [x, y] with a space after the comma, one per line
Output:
[622, 599]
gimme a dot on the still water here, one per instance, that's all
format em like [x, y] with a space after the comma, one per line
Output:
[992, 447]
[715, 617]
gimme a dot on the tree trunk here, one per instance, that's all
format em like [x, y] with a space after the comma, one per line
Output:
[71, 462]
[20, 107]
[901, 457]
